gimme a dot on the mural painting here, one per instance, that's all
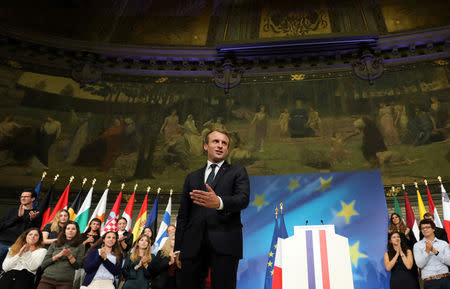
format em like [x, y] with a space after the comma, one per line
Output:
[153, 131]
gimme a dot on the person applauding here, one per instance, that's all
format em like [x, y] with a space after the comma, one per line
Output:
[136, 269]
[23, 259]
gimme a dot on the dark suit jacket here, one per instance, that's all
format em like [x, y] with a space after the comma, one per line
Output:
[220, 228]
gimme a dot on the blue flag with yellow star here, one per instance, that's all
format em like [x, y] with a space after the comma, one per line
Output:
[271, 258]
[353, 201]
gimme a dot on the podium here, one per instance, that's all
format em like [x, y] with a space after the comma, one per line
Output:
[316, 257]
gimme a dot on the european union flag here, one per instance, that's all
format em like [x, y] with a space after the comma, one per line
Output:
[353, 201]
[271, 258]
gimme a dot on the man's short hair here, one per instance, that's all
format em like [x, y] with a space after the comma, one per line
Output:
[427, 221]
[222, 131]
[29, 190]
[428, 215]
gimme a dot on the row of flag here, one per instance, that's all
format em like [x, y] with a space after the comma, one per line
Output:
[411, 220]
[79, 211]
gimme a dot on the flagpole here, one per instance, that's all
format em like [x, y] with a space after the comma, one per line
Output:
[55, 178]
[83, 182]
[122, 186]
[276, 212]
[135, 187]
[43, 175]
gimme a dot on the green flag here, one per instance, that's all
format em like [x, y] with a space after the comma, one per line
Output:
[397, 208]
[82, 217]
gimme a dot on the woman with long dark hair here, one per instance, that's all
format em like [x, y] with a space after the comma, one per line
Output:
[396, 224]
[23, 259]
[136, 270]
[103, 262]
[92, 233]
[399, 260]
[62, 259]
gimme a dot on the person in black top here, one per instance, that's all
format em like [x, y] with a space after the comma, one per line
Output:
[125, 238]
[396, 224]
[51, 230]
[17, 220]
[440, 233]
[92, 234]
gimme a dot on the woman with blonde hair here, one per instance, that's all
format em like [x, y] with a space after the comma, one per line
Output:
[136, 269]
[166, 267]
[23, 259]
[51, 230]
[103, 262]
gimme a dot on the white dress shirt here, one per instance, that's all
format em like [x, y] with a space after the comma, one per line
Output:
[29, 260]
[430, 264]
[216, 170]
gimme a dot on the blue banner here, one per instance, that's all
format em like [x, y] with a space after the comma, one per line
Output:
[353, 201]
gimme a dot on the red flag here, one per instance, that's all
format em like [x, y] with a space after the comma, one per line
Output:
[44, 206]
[62, 204]
[111, 221]
[410, 218]
[433, 209]
[128, 213]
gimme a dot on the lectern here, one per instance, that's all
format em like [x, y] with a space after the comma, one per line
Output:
[315, 257]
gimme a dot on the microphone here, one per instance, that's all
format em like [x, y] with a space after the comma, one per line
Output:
[321, 221]
[306, 223]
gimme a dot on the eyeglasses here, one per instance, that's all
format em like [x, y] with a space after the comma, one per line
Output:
[425, 227]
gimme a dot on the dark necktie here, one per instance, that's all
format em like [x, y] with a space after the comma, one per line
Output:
[211, 175]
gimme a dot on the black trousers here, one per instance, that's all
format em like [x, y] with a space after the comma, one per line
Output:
[15, 279]
[443, 283]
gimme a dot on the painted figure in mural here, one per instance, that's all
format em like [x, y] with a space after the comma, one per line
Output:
[48, 133]
[420, 127]
[283, 120]
[7, 127]
[192, 136]
[314, 121]
[113, 137]
[176, 152]
[372, 140]
[299, 118]
[388, 129]
[338, 151]
[438, 113]
[211, 125]
[80, 137]
[171, 126]
[401, 119]
[240, 156]
[260, 122]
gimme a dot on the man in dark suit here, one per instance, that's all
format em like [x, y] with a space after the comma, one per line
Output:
[209, 228]
[439, 233]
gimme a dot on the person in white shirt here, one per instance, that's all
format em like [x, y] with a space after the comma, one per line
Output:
[432, 256]
[23, 259]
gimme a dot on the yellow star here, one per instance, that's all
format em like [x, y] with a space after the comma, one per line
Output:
[271, 272]
[271, 254]
[275, 246]
[293, 184]
[355, 254]
[347, 211]
[324, 184]
[270, 264]
[259, 201]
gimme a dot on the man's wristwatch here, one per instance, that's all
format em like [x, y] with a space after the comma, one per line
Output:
[437, 253]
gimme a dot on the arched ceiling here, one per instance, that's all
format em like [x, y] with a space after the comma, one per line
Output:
[213, 22]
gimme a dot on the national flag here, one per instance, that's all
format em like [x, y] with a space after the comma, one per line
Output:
[45, 206]
[140, 222]
[397, 208]
[410, 218]
[83, 213]
[100, 210]
[277, 272]
[421, 206]
[75, 206]
[128, 213]
[162, 235]
[37, 190]
[111, 222]
[271, 258]
[433, 209]
[61, 204]
[446, 210]
[153, 217]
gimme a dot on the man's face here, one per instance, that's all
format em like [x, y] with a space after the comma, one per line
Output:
[427, 230]
[26, 199]
[217, 146]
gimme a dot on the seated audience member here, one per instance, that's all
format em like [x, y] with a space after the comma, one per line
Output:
[396, 224]
[439, 233]
[432, 256]
[92, 233]
[23, 259]
[17, 220]
[171, 230]
[62, 259]
[125, 238]
[149, 232]
[166, 267]
[103, 263]
[136, 269]
[51, 230]
[399, 260]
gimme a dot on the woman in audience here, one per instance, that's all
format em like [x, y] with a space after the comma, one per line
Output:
[92, 234]
[23, 259]
[396, 224]
[103, 263]
[51, 230]
[62, 259]
[125, 238]
[166, 266]
[399, 260]
[149, 232]
[136, 269]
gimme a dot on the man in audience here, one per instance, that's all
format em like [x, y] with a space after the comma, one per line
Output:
[432, 256]
[440, 233]
[16, 221]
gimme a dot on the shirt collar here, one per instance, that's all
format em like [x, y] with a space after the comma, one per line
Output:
[209, 163]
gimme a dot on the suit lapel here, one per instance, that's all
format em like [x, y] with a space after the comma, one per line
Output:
[223, 169]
